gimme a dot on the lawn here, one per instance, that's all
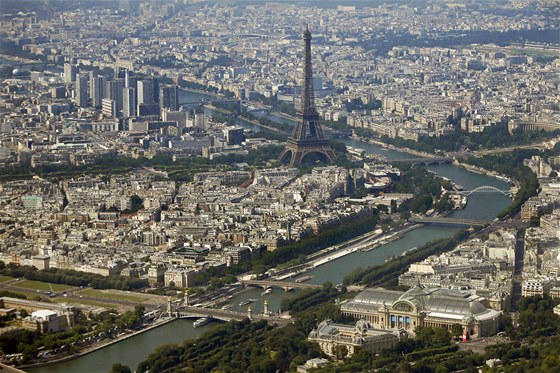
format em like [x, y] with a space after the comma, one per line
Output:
[5, 278]
[114, 296]
[42, 286]
[85, 302]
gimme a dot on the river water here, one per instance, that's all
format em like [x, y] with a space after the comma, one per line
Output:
[133, 350]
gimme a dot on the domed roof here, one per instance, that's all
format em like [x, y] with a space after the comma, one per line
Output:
[377, 297]
[362, 326]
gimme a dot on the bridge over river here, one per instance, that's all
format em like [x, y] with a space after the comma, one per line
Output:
[287, 285]
[486, 189]
[425, 160]
[459, 222]
[190, 312]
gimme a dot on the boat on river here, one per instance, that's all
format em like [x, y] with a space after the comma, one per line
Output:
[201, 322]
[304, 279]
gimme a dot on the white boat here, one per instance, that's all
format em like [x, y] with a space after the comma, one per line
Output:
[226, 307]
[201, 322]
[267, 291]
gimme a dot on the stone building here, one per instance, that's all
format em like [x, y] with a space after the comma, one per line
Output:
[362, 335]
[419, 306]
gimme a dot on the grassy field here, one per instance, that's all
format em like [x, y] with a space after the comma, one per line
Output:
[42, 286]
[113, 296]
[85, 302]
[5, 278]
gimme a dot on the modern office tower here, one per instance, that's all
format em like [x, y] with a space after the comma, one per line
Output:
[69, 73]
[119, 72]
[175, 116]
[307, 143]
[156, 90]
[145, 92]
[127, 78]
[130, 80]
[169, 97]
[81, 94]
[129, 102]
[97, 91]
[115, 92]
[148, 109]
[109, 107]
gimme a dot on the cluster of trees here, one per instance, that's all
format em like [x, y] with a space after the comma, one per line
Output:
[73, 278]
[308, 298]
[540, 356]
[29, 342]
[386, 274]
[491, 137]
[426, 188]
[115, 164]
[329, 237]
[236, 346]
[536, 318]
[430, 351]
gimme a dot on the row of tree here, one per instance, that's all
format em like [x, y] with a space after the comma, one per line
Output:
[73, 278]
[387, 273]
[239, 346]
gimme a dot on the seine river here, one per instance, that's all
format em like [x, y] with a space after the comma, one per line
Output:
[133, 350]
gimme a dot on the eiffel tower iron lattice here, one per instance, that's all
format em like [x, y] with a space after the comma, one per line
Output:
[307, 143]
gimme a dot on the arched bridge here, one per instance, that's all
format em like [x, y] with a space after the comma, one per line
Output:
[188, 312]
[425, 161]
[286, 285]
[486, 189]
[280, 284]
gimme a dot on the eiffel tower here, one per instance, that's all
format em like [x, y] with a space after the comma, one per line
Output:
[307, 143]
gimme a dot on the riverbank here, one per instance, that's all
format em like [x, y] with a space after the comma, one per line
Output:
[483, 171]
[201, 92]
[253, 122]
[99, 346]
[366, 242]
[392, 147]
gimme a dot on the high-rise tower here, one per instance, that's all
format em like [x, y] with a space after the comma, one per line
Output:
[307, 143]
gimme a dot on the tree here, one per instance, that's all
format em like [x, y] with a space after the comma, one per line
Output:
[23, 313]
[340, 352]
[119, 368]
[456, 330]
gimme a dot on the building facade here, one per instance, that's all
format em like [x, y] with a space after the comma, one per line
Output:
[423, 307]
[360, 336]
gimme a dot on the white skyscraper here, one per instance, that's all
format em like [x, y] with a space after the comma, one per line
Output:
[129, 102]
[81, 94]
[69, 73]
[97, 91]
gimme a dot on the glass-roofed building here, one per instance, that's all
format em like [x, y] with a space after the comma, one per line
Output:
[419, 306]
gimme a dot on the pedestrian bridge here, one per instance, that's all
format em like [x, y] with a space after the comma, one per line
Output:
[486, 189]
